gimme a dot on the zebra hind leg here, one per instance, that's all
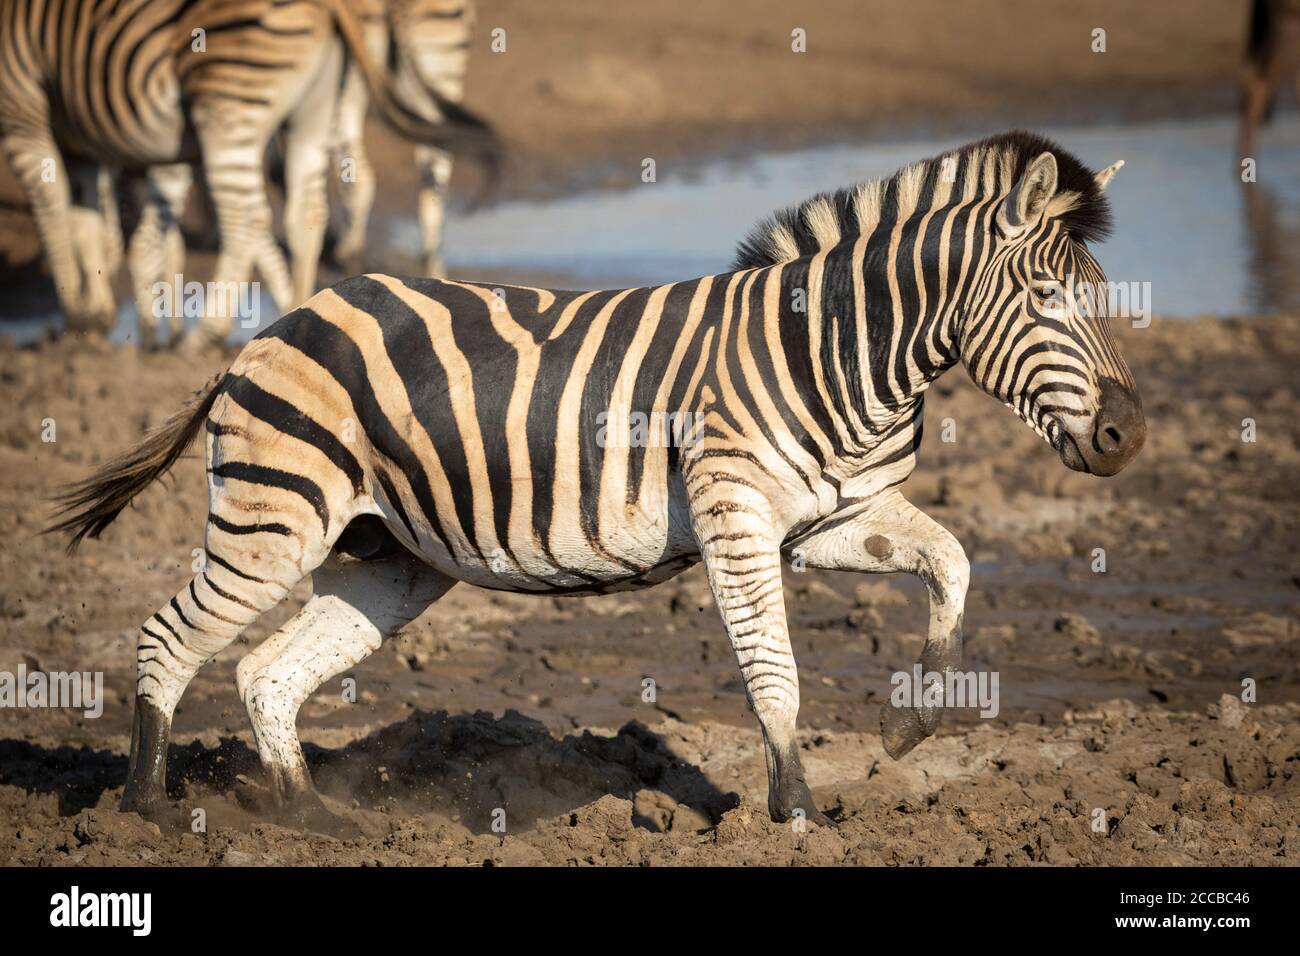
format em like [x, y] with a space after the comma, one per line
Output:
[355, 605]
[249, 567]
[156, 248]
[192, 628]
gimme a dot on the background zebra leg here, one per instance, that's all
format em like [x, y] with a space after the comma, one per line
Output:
[434, 168]
[355, 605]
[743, 562]
[1257, 89]
[156, 250]
[894, 535]
[234, 174]
[93, 242]
[306, 211]
[356, 196]
[356, 177]
[38, 165]
[111, 220]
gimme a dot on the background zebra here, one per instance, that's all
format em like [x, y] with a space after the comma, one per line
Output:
[429, 44]
[147, 84]
[394, 436]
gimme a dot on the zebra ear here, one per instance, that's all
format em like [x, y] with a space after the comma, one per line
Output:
[1028, 198]
[1103, 177]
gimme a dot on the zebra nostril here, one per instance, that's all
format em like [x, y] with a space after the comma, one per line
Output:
[1118, 430]
[1109, 438]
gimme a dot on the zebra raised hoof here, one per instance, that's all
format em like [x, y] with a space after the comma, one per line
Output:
[393, 436]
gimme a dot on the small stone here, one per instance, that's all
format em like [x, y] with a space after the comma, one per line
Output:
[1077, 628]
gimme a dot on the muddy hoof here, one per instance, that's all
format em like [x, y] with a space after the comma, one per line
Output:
[782, 807]
[902, 728]
[308, 812]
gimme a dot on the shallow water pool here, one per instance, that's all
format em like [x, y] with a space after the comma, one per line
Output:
[1184, 221]
[1190, 237]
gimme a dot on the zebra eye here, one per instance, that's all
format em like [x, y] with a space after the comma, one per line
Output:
[1048, 297]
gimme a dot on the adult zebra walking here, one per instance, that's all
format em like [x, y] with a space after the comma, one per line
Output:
[147, 83]
[394, 436]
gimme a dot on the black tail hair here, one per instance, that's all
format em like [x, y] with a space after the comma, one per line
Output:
[88, 507]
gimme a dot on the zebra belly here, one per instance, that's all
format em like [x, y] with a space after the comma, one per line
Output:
[653, 543]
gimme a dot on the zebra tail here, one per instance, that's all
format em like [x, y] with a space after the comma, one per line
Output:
[457, 130]
[88, 507]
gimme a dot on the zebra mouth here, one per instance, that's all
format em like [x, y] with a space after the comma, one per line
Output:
[1065, 446]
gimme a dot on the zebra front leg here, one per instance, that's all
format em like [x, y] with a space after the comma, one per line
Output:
[894, 535]
[355, 605]
[742, 556]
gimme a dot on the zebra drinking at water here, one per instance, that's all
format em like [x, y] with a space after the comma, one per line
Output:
[394, 436]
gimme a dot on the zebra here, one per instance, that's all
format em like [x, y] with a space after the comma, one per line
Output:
[431, 40]
[394, 436]
[152, 83]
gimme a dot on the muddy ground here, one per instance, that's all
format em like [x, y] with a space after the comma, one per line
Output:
[1120, 691]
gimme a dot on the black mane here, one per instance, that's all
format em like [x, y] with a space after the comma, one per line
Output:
[1088, 220]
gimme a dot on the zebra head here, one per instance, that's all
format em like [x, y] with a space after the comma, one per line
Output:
[1036, 332]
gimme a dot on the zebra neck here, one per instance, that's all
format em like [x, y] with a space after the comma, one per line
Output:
[872, 342]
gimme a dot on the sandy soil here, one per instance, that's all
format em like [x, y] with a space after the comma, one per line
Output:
[1120, 690]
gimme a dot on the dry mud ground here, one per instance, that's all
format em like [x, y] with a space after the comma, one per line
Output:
[1120, 691]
